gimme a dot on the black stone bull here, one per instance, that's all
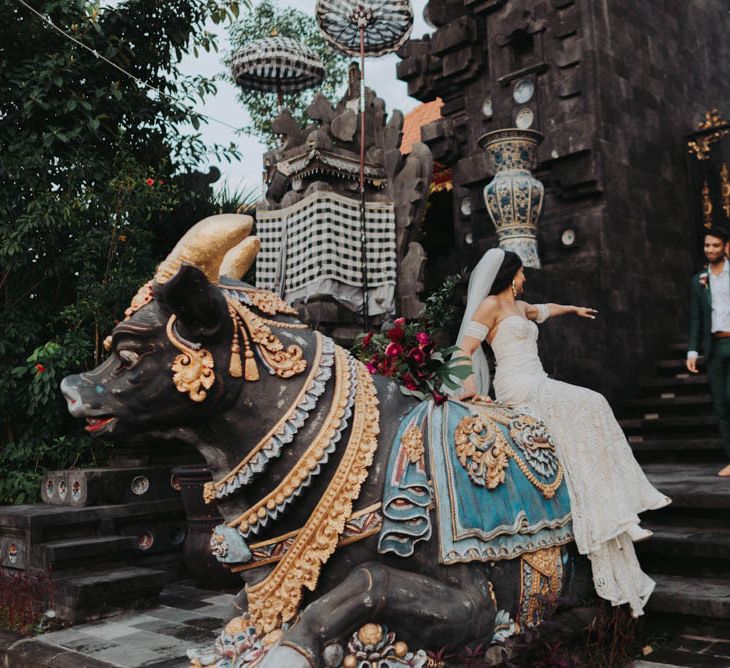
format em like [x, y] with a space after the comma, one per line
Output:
[133, 394]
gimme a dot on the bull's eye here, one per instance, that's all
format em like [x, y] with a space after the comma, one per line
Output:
[129, 357]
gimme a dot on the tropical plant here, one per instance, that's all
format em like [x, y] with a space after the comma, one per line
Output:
[268, 18]
[90, 171]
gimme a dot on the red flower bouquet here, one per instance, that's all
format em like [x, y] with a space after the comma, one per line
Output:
[405, 352]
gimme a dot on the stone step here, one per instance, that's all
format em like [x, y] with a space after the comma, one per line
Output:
[674, 365]
[691, 596]
[679, 450]
[691, 486]
[82, 550]
[100, 593]
[25, 529]
[41, 517]
[685, 382]
[699, 425]
[686, 549]
[687, 542]
[669, 402]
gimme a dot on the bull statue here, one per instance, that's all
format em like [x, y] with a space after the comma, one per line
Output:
[350, 510]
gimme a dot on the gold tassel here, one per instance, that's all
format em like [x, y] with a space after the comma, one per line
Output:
[234, 368]
[251, 369]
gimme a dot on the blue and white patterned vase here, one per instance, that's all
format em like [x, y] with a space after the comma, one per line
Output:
[514, 196]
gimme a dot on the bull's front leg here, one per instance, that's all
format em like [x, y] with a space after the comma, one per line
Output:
[415, 606]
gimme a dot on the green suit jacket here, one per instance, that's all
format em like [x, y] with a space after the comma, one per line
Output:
[700, 316]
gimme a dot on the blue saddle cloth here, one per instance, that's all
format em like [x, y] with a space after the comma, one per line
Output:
[493, 479]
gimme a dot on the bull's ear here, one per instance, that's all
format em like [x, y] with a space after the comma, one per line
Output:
[199, 305]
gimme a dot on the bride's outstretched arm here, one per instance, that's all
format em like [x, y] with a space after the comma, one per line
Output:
[542, 312]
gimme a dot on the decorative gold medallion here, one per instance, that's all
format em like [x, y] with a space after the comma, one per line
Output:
[412, 442]
[193, 368]
[482, 451]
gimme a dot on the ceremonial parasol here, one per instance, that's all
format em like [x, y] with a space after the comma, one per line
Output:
[277, 64]
[364, 28]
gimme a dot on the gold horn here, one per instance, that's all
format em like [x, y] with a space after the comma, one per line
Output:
[239, 259]
[205, 244]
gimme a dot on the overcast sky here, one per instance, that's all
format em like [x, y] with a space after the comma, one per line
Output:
[379, 75]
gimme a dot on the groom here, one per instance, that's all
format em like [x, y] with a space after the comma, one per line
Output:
[709, 328]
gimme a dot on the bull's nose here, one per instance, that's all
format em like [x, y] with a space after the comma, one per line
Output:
[73, 398]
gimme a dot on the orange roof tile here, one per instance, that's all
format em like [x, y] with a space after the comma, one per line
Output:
[416, 119]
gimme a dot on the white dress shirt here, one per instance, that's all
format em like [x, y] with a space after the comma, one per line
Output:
[720, 292]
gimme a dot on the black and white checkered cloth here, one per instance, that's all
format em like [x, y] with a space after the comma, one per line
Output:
[277, 63]
[314, 246]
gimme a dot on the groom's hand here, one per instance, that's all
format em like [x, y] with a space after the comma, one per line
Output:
[692, 365]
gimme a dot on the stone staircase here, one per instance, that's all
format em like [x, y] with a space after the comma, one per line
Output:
[673, 433]
[93, 561]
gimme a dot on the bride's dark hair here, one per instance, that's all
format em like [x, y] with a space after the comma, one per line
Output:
[507, 272]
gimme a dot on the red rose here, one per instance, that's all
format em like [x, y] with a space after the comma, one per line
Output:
[423, 338]
[393, 349]
[395, 334]
[149, 182]
[371, 368]
[410, 382]
[40, 368]
[367, 339]
[417, 355]
[400, 322]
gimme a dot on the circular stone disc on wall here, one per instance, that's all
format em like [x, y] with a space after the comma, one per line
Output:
[523, 92]
[524, 118]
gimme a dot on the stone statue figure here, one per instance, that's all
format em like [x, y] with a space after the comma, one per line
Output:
[360, 520]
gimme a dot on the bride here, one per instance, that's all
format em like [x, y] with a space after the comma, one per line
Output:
[607, 487]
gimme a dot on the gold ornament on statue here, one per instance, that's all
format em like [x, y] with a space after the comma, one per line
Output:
[370, 634]
[193, 368]
[412, 441]
[285, 363]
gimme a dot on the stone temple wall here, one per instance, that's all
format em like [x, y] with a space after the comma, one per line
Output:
[617, 86]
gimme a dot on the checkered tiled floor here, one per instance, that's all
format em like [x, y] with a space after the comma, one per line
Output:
[154, 638]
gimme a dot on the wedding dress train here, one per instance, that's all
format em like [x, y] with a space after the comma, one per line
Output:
[607, 487]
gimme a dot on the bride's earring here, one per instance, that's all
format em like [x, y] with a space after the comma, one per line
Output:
[514, 289]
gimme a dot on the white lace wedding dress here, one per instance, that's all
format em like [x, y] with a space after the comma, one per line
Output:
[607, 487]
